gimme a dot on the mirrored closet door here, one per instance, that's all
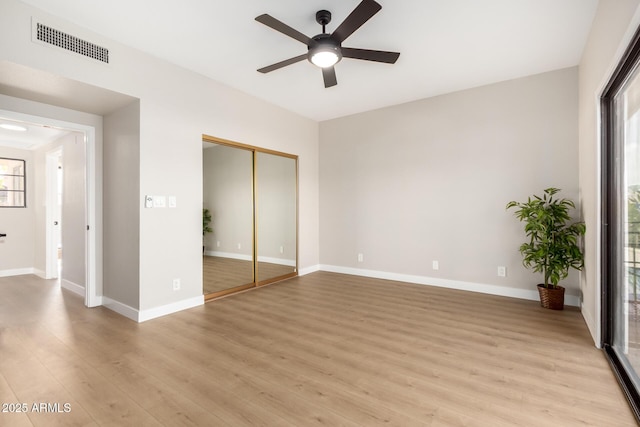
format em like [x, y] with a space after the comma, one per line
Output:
[275, 216]
[249, 217]
[228, 202]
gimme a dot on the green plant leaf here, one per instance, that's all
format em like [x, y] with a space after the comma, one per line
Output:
[553, 240]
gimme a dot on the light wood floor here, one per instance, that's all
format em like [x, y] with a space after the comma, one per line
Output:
[322, 349]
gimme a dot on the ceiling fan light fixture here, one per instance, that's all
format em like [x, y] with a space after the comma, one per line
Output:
[324, 58]
[325, 53]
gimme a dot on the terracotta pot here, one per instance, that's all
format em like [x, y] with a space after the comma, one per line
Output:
[552, 298]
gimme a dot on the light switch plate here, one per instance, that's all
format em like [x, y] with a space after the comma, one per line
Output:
[159, 201]
[148, 201]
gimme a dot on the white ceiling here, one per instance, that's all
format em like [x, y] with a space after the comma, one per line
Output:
[33, 136]
[445, 45]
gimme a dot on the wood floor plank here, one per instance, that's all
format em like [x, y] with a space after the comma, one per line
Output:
[195, 377]
[11, 416]
[360, 367]
[321, 349]
[497, 360]
[233, 356]
[34, 385]
[163, 403]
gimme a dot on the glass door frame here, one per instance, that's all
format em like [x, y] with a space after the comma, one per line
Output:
[611, 213]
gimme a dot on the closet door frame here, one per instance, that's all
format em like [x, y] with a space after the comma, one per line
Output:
[256, 282]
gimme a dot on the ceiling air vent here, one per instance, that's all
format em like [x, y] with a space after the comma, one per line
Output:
[74, 44]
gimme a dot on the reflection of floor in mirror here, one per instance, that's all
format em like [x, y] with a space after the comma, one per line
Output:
[219, 273]
[267, 270]
[225, 273]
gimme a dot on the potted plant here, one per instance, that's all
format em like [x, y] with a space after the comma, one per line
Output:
[206, 220]
[552, 245]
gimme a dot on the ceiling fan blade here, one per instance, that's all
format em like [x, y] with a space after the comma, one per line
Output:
[329, 76]
[361, 14]
[272, 22]
[370, 55]
[281, 64]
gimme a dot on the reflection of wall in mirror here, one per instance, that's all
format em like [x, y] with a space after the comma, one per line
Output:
[276, 208]
[227, 193]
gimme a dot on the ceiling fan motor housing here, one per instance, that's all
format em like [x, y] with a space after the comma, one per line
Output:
[325, 45]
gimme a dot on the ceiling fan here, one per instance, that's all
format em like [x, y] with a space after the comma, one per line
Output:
[325, 50]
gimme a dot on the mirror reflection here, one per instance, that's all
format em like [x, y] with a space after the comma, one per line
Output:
[276, 216]
[228, 199]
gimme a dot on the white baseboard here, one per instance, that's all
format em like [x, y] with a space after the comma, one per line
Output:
[309, 270]
[152, 313]
[97, 301]
[73, 287]
[120, 308]
[570, 300]
[589, 320]
[163, 310]
[17, 272]
[40, 273]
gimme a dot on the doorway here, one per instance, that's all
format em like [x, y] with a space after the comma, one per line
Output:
[86, 175]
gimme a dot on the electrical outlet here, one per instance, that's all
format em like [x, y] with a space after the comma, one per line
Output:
[176, 284]
[502, 271]
[360, 257]
[435, 265]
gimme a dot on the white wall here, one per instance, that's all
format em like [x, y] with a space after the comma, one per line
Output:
[121, 189]
[17, 249]
[176, 108]
[613, 26]
[429, 180]
[74, 202]
[40, 220]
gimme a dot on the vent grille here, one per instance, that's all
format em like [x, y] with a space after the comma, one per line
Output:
[74, 44]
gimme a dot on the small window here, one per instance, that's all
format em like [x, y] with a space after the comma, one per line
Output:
[12, 183]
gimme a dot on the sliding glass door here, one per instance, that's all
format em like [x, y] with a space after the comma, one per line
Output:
[621, 223]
